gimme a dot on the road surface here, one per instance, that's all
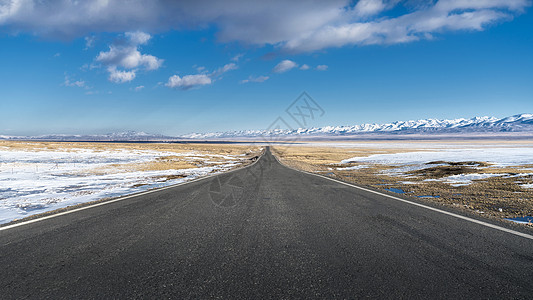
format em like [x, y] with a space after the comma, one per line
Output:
[265, 231]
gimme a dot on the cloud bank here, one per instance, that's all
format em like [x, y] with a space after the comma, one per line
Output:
[294, 26]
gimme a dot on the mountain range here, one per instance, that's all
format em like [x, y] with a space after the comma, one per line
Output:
[516, 123]
[522, 123]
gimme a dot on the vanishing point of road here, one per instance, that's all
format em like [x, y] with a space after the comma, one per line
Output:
[265, 231]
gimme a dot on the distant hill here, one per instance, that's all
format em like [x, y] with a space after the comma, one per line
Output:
[518, 124]
[132, 136]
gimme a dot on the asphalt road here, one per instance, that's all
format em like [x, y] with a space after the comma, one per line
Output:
[266, 231]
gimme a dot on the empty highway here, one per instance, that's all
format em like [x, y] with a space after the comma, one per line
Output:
[265, 231]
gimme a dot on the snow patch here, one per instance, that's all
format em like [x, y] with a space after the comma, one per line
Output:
[353, 168]
[33, 182]
[466, 179]
[497, 156]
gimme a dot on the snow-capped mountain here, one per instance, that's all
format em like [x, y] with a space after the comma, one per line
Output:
[517, 123]
[522, 123]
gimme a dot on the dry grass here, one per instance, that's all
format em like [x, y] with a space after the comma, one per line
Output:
[175, 163]
[332, 155]
[222, 149]
[496, 196]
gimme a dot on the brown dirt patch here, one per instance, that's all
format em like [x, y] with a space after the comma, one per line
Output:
[443, 171]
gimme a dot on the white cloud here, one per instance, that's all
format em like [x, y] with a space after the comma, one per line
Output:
[255, 79]
[304, 67]
[127, 56]
[224, 69]
[188, 81]
[299, 25]
[205, 78]
[138, 88]
[445, 15]
[237, 57]
[88, 67]
[138, 37]
[284, 66]
[365, 8]
[321, 67]
[74, 83]
[89, 42]
[251, 21]
[118, 76]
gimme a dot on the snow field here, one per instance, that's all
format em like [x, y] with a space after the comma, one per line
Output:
[33, 182]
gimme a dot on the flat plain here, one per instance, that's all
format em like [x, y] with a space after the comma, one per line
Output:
[39, 177]
[493, 178]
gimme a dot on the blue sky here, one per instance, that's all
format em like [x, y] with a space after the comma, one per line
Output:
[201, 66]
